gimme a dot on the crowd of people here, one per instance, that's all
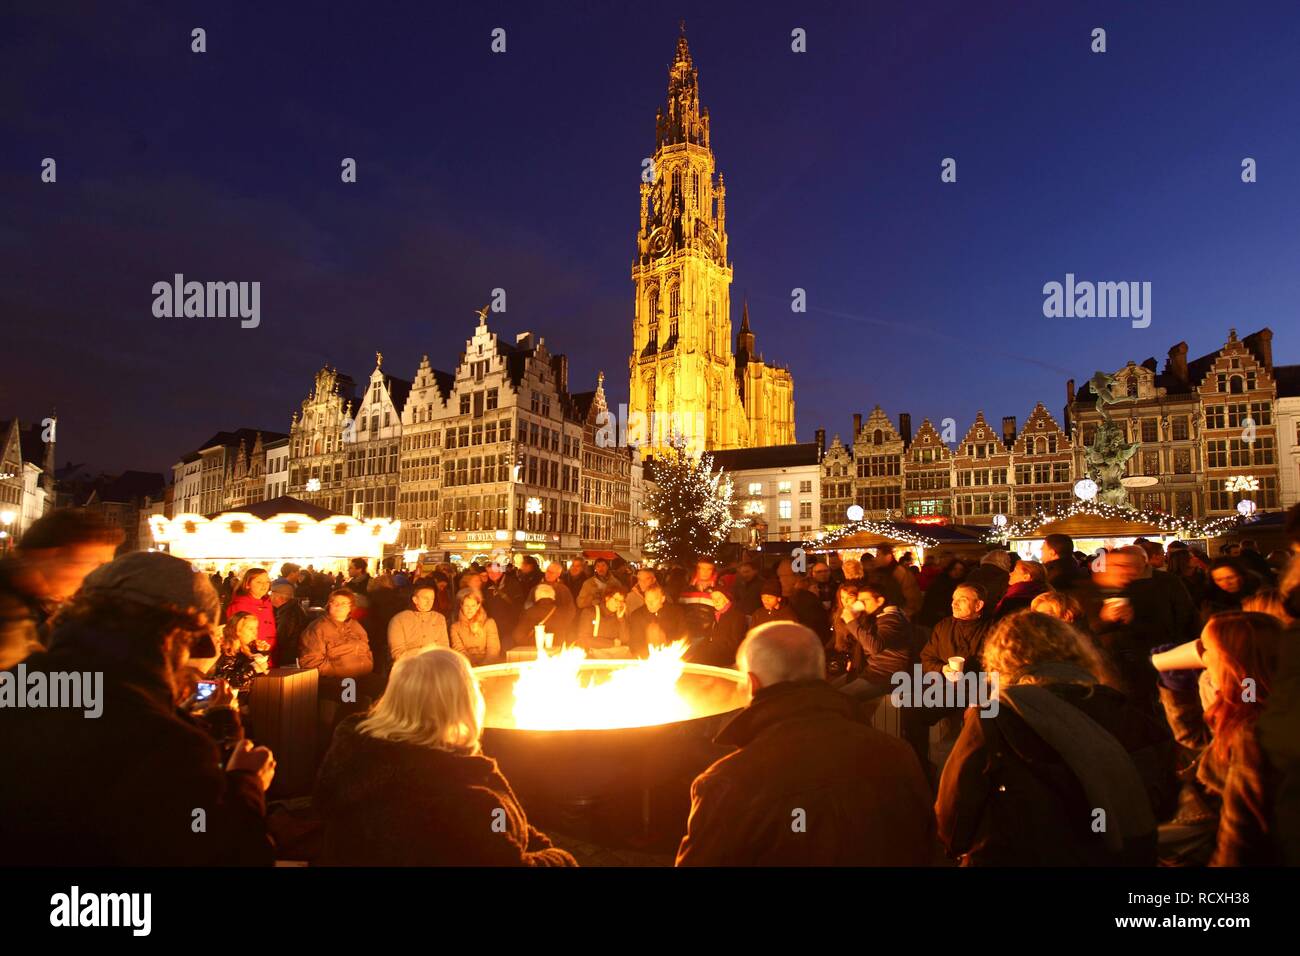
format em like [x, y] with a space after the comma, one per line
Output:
[1147, 703]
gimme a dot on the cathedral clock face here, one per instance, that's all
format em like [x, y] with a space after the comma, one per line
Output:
[659, 242]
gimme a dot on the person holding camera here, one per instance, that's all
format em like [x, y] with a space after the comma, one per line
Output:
[122, 778]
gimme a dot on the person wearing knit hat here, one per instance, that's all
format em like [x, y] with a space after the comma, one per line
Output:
[773, 607]
[119, 784]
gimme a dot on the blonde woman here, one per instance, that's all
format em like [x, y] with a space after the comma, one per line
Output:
[1024, 780]
[408, 786]
[474, 634]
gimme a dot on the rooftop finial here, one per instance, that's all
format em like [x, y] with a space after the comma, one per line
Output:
[482, 314]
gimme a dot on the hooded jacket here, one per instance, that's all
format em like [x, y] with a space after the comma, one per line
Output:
[810, 786]
[412, 631]
[386, 803]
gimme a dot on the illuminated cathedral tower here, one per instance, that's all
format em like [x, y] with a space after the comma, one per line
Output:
[684, 372]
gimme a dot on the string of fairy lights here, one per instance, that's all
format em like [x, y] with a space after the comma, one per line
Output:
[690, 507]
[1029, 525]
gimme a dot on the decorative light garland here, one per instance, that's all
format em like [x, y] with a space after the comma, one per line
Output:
[690, 509]
[890, 531]
[1028, 527]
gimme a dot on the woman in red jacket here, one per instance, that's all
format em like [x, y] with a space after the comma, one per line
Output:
[251, 596]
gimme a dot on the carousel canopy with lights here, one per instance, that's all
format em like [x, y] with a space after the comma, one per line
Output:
[272, 532]
[865, 533]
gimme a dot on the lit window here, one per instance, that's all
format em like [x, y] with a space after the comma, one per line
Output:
[755, 487]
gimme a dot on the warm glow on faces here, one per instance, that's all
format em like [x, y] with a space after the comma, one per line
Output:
[469, 606]
[423, 600]
[965, 606]
[553, 571]
[655, 600]
[339, 609]
[259, 586]
[615, 603]
[247, 630]
[645, 580]
[1227, 579]
[770, 601]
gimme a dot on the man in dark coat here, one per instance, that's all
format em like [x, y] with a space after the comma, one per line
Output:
[290, 621]
[120, 777]
[810, 784]
[720, 642]
[503, 599]
[773, 607]
[746, 590]
[1063, 571]
[880, 640]
[556, 618]
[604, 625]
[655, 623]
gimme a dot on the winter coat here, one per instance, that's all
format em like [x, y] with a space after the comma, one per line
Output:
[386, 803]
[290, 622]
[1008, 798]
[1018, 598]
[720, 642]
[748, 596]
[762, 615]
[238, 670]
[598, 628]
[263, 610]
[574, 584]
[336, 650]
[412, 631]
[504, 602]
[120, 789]
[477, 639]
[646, 630]
[554, 616]
[592, 589]
[811, 785]
[1279, 736]
[1247, 784]
[954, 638]
[810, 613]
[881, 644]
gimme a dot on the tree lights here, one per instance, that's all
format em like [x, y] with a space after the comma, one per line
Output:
[690, 510]
[1029, 526]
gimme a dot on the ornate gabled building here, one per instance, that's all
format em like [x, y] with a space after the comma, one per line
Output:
[684, 376]
[837, 485]
[246, 479]
[606, 518]
[1044, 464]
[422, 424]
[982, 468]
[927, 492]
[319, 436]
[373, 454]
[878, 449]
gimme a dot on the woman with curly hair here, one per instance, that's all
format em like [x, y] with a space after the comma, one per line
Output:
[252, 596]
[1064, 770]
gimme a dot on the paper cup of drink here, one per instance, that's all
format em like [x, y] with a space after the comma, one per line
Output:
[956, 664]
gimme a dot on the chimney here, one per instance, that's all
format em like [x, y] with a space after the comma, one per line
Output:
[524, 340]
[1008, 430]
[47, 479]
[820, 438]
[1150, 364]
[1261, 344]
[857, 424]
[1069, 392]
[905, 427]
[1177, 364]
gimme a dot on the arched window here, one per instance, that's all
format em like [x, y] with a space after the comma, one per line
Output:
[652, 319]
[1041, 446]
[878, 437]
[1132, 386]
[674, 307]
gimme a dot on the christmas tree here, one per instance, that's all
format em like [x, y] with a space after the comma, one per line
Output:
[690, 510]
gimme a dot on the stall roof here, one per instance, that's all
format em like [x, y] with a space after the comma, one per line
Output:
[284, 505]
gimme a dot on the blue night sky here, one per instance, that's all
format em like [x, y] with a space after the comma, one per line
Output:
[521, 171]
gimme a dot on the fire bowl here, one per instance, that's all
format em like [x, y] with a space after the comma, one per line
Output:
[627, 786]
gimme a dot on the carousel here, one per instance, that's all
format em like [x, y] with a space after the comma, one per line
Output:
[271, 533]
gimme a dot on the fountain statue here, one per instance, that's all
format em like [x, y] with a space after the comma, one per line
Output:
[1109, 452]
